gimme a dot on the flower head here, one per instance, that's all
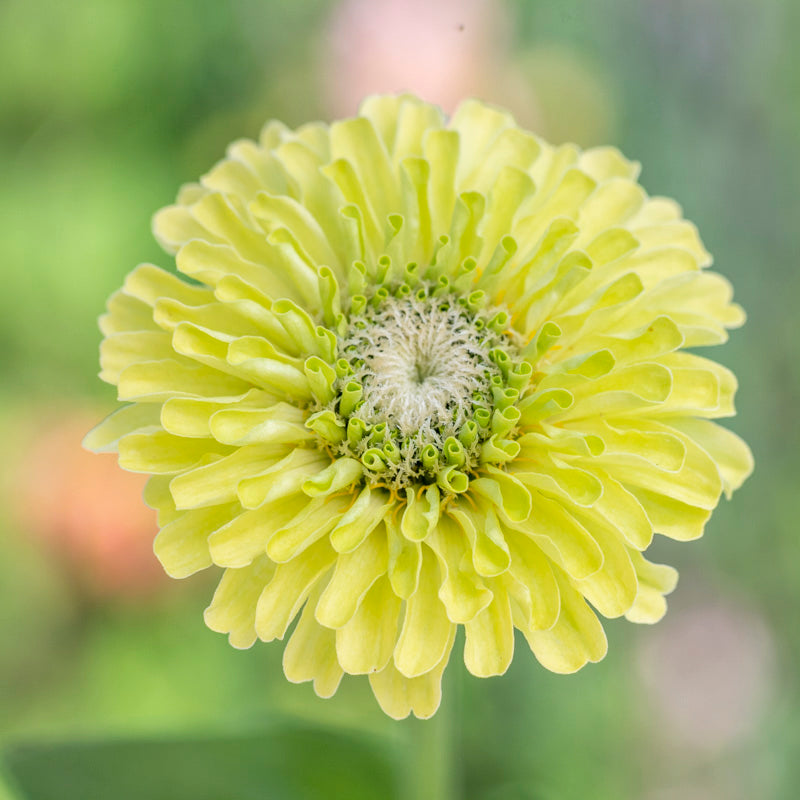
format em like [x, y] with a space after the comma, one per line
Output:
[428, 373]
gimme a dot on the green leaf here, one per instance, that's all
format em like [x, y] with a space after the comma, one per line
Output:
[282, 764]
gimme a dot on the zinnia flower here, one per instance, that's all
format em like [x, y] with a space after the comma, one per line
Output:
[427, 373]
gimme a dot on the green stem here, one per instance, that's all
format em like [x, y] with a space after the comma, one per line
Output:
[430, 773]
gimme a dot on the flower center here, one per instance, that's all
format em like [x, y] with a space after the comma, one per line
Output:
[426, 388]
[420, 361]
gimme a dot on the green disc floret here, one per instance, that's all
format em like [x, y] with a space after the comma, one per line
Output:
[426, 385]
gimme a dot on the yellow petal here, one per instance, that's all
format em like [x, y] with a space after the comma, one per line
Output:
[511, 149]
[126, 313]
[421, 512]
[356, 141]
[275, 211]
[182, 545]
[215, 263]
[405, 561]
[233, 609]
[354, 574]
[696, 483]
[612, 589]
[220, 320]
[279, 424]
[463, 593]
[137, 417]
[441, 150]
[628, 443]
[644, 343]
[677, 233]
[489, 645]
[731, 455]
[174, 225]
[118, 351]
[699, 387]
[426, 628]
[342, 473]
[233, 177]
[309, 525]
[641, 386]
[369, 509]
[399, 696]
[672, 517]
[156, 381]
[149, 284]
[186, 416]
[490, 554]
[655, 580]
[561, 537]
[511, 498]
[289, 588]
[310, 654]
[478, 127]
[156, 495]
[402, 122]
[510, 188]
[531, 568]
[555, 478]
[286, 476]
[365, 643]
[575, 639]
[161, 452]
[621, 508]
[246, 537]
[615, 201]
[217, 482]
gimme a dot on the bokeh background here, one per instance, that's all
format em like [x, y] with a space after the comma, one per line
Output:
[106, 106]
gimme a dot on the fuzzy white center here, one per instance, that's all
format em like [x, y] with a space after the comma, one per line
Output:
[422, 364]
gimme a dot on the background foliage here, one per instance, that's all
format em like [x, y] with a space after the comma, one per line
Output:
[108, 105]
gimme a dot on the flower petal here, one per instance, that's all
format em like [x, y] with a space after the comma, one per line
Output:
[399, 696]
[575, 639]
[310, 654]
[353, 576]
[364, 645]
[134, 418]
[233, 609]
[218, 482]
[182, 545]
[463, 593]
[289, 588]
[655, 580]
[489, 645]
[426, 628]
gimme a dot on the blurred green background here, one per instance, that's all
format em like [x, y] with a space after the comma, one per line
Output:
[106, 107]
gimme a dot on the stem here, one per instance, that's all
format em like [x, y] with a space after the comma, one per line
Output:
[431, 745]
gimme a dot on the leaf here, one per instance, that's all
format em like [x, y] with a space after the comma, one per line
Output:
[281, 764]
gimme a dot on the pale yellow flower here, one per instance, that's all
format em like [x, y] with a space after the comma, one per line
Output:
[429, 373]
